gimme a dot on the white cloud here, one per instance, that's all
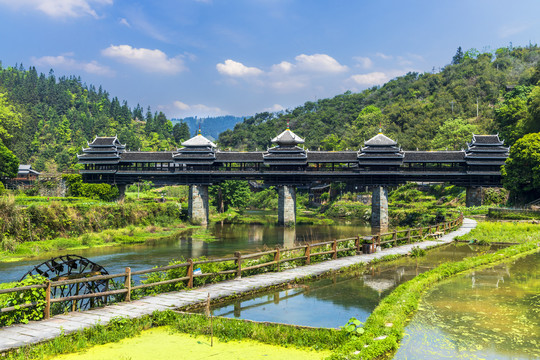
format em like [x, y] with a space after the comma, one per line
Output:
[145, 59]
[319, 63]
[283, 67]
[274, 108]
[383, 56]
[373, 78]
[200, 110]
[363, 62]
[66, 61]
[60, 8]
[124, 21]
[237, 69]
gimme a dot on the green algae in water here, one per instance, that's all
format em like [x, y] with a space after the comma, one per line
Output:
[161, 343]
[487, 314]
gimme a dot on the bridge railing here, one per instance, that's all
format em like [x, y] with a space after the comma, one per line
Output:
[231, 267]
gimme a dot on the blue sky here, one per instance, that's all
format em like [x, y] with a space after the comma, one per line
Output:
[212, 57]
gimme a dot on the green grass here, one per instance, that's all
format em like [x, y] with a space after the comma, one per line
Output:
[509, 232]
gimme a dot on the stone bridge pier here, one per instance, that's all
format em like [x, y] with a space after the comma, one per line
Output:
[379, 209]
[287, 205]
[198, 204]
[473, 196]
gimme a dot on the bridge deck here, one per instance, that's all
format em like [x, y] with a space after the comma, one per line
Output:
[38, 331]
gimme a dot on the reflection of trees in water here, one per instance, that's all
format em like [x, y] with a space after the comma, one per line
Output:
[495, 309]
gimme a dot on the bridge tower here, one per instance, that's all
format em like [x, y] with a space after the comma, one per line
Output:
[484, 155]
[383, 155]
[286, 156]
[197, 153]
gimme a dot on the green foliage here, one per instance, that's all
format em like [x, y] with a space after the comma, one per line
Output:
[2, 189]
[233, 193]
[16, 299]
[509, 232]
[453, 135]
[353, 327]
[9, 165]
[264, 199]
[103, 192]
[521, 173]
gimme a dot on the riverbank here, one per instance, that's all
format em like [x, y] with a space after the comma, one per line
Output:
[74, 321]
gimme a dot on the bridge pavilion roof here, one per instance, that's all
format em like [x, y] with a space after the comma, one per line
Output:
[102, 151]
[380, 150]
[196, 151]
[286, 151]
[486, 150]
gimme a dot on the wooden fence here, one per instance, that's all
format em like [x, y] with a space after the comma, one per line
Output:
[304, 253]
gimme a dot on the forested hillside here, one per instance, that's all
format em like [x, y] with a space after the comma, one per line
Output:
[426, 111]
[46, 120]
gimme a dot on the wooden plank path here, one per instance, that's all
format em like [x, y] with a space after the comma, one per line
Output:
[38, 331]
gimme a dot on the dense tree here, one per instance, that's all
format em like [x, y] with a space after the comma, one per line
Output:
[230, 193]
[521, 173]
[453, 135]
[180, 132]
[458, 58]
[9, 165]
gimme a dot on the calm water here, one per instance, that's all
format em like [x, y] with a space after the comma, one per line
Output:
[487, 314]
[331, 302]
[230, 238]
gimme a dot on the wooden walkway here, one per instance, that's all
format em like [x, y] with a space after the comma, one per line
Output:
[38, 331]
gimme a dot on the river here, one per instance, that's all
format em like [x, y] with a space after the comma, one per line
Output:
[229, 238]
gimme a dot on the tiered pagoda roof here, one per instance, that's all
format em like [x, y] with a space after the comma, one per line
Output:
[486, 150]
[286, 151]
[196, 151]
[380, 150]
[102, 151]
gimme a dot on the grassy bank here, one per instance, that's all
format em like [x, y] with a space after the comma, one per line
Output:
[508, 232]
[385, 326]
[223, 329]
[43, 225]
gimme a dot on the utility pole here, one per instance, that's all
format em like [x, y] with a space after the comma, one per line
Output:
[477, 107]
[452, 102]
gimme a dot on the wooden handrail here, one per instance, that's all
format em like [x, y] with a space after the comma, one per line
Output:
[307, 255]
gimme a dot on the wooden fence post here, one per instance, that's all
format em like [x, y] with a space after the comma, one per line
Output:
[394, 237]
[239, 263]
[127, 283]
[190, 274]
[357, 244]
[48, 300]
[276, 258]
[334, 249]
[420, 231]
[409, 236]
[308, 254]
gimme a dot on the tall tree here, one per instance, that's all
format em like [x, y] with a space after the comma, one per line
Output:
[458, 57]
[9, 164]
[521, 173]
[180, 132]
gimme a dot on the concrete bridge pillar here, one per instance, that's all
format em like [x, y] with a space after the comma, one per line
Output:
[379, 209]
[473, 196]
[287, 205]
[198, 204]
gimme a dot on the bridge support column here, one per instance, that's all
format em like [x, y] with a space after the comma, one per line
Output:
[473, 196]
[379, 209]
[121, 191]
[287, 205]
[198, 204]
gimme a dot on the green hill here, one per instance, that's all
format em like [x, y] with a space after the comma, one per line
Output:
[424, 111]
